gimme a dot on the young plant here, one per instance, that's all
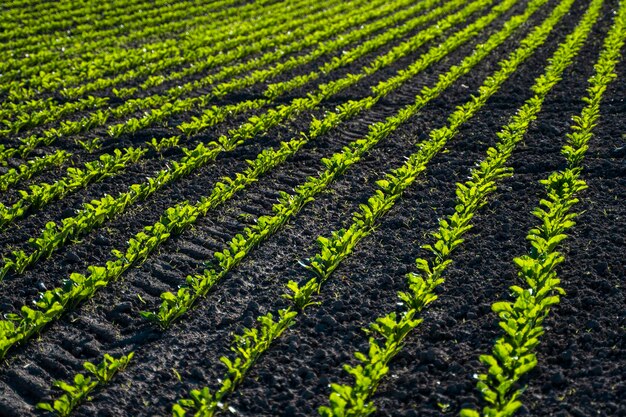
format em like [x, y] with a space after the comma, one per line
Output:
[17, 328]
[159, 145]
[175, 305]
[513, 354]
[90, 145]
[78, 392]
[354, 399]
[341, 243]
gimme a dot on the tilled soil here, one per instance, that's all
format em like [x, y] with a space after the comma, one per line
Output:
[582, 358]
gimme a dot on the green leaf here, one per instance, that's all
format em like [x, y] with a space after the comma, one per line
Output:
[466, 412]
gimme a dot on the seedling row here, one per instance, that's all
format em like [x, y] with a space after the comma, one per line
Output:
[258, 151]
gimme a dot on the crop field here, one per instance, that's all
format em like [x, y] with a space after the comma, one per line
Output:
[313, 208]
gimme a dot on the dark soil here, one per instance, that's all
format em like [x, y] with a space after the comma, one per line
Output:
[582, 356]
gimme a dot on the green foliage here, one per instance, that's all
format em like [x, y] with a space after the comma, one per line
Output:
[78, 392]
[342, 241]
[90, 145]
[32, 168]
[247, 347]
[170, 103]
[39, 195]
[159, 145]
[354, 399]
[521, 321]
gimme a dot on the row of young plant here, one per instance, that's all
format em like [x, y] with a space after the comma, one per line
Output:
[14, 9]
[275, 90]
[105, 57]
[19, 121]
[144, 27]
[142, 32]
[175, 305]
[21, 260]
[398, 52]
[167, 103]
[44, 55]
[83, 385]
[54, 112]
[75, 14]
[17, 328]
[262, 75]
[40, 61]
[399, 11]
[32, 168]
[137, 58]
[28, 144]
[121, 57]
[137, 62]
[65, 11]
[41, 194]
[249, 345]
[215, 114]
[175, 106]
[388, 332]
[100, 211]
[64, 20]
[10, 110]
[204, 48]
[280, 43]
[80, 19]
[521, 320]
[168, 110]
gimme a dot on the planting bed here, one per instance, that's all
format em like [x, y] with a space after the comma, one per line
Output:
[298, 208]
